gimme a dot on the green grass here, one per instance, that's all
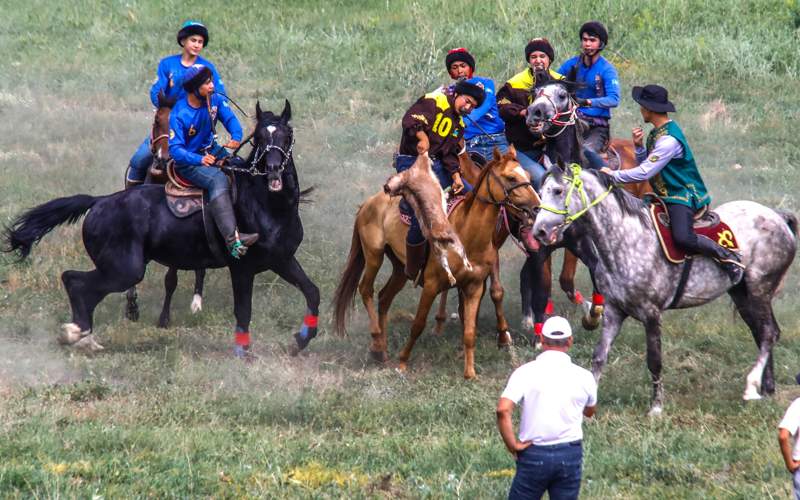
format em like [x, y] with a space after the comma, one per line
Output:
[169, 413]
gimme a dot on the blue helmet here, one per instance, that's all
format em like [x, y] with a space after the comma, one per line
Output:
[195, 76]
[190, 28]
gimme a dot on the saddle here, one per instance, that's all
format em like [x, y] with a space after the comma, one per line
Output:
[706, 223]
[406, 212]
[185, 199]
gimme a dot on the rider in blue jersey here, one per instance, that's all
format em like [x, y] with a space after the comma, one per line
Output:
[483, 128]
[192, 144]
[192, 37]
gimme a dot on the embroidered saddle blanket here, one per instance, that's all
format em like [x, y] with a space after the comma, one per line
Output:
[706, 223]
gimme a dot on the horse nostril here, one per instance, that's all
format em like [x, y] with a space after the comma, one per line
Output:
[541, 234]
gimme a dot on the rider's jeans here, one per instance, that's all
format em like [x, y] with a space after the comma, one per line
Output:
[212, 179]
[533, 167]
[484, 144]
[140, 162]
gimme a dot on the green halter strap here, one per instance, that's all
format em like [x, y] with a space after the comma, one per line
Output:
[576, 184]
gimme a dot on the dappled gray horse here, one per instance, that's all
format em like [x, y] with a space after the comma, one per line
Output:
[638, 281]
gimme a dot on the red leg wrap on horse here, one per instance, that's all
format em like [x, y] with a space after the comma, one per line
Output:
[549, 308]
[310, 320]
[537, 328]
[597, 299]
[243, 338]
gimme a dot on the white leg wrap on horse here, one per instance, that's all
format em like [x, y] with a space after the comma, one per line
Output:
[197, 304]
[753, 386]
[88, 344]
[527, 323]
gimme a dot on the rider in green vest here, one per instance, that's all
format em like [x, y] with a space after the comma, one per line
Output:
[668, 163]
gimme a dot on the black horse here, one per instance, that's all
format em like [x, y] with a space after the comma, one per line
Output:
[126, 230]
[552, 114]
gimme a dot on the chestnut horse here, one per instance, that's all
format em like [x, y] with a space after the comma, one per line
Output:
[378, 232]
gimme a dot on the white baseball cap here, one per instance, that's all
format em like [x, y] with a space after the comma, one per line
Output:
[557, 328]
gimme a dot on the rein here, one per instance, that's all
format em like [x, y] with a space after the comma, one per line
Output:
[258, 155]
[505, 202]
[576, 184]
[571, 113]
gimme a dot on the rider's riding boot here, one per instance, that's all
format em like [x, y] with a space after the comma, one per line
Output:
[728, 260]
[222, 210]
[415, 259]
[131, 183]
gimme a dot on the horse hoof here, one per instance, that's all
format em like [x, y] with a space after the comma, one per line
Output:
[655, 412]
[470, 375]
[453, 316]
[163, 323]
[504, 339]
[379, 356]
[304, 340]
[590, 323]
[88, 345]
[751, 394]
[70, 333]
[401, 368]
[577, 297]
[244, 353]
[197, 304]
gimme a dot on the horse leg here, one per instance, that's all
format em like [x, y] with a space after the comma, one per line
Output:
[131, 307]
[441, 314]
[242, 283]
[293, 273]
[366, 288]
[758, 316]
[170, 284]
[584, 251]
[429, 293]
[497, 293]
[526, 293]
[87, 289]
[197, 298]
[611, 326]
[567, 277]
[472, 300]
[653, 330]
[395, 283]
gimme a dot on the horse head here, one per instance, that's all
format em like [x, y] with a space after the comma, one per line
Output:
[273, 141]
[553, 107]
[505, 183]
[159, 135]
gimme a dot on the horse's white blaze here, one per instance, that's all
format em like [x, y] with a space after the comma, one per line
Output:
[271, 129]
[197, 303]
[521, 171]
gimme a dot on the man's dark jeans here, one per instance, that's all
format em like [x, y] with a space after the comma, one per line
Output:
[555, 469]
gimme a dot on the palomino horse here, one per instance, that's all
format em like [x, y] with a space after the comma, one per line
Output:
[638, 281]
[121, 247]
[378, 232]
[159, 146]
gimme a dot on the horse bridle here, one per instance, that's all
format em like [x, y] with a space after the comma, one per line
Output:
[571, 113]
[153, 140]
[506, 201]
[258, 155]
[576, 184]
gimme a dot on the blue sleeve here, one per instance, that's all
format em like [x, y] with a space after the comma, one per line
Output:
[484, 108]
[219, 87]
[177, 144]
[611, 87]
[229, 120]
[566, 67]
[162, 80]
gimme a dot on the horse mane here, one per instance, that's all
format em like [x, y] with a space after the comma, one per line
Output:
[470, 197]
[629, 204]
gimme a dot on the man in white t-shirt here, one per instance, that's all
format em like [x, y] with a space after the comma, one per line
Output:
[554, 396]
[791, 453]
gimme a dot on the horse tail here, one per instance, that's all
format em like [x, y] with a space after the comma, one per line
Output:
[305, 195]
[348, 283]
[33, 225]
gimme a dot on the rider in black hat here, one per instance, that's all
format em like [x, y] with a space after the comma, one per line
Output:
[668, 163]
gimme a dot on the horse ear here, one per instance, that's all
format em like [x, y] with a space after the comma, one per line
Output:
[541, 78]
[558, 168]
[512, 151]
[286, 114]
[496, 154]
[258, 111]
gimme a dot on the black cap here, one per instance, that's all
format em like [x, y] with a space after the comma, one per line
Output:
[464, 87]
[190, 28]
[653, 97]
[595, 28]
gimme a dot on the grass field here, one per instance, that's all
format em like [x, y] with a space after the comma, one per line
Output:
[169, 413]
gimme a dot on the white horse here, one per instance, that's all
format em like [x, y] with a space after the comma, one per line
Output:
[638, 281]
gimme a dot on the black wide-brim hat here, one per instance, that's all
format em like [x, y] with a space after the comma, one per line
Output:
[653, 97]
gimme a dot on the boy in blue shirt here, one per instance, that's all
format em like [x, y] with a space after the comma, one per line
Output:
[193, 147]
[601, 85]
[483, 128]
[192, 37]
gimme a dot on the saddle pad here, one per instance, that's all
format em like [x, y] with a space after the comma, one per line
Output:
[452, 203]
[708, 225]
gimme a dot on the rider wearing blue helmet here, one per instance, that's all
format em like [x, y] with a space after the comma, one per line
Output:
[192, 37]
[193, 146]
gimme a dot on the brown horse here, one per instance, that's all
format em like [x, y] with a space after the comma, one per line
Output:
[378, 232]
